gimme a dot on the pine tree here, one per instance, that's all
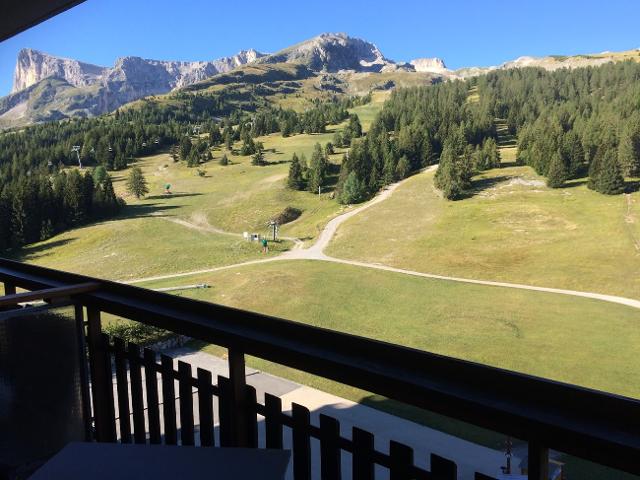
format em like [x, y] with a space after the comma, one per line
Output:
[427, 154]
[5, 219]
[228, 139]
[99, 174]
[317, 169]
[295, 180]
[305, 166]
[447, 177]
[466, 167]
[173, 153]
[337, 139]
[111, 203]
[629, 148]
[88, 186]
[328, 149]
[258, 158]
[573, 153]
[557, 175]
[74, 199]
[136, 183]
[605, 175]
[353, 190]
[193, 160]
[185, 147]
[402, 169]
[248, 146]
[355, 128]
[224, 160]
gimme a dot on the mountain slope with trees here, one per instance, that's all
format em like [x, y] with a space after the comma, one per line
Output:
[569, 123]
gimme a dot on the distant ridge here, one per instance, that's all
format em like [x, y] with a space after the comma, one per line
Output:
[47, 87]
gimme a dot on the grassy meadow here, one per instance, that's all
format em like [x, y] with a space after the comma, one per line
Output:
[513, 228]
[542, 334]
[145, 239]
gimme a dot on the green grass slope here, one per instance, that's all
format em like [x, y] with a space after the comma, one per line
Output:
[512, 229]
[543, 334]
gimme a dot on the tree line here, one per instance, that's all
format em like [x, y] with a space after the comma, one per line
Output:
[572, 123]
[37, 206]
[34, 161]
[569, 124]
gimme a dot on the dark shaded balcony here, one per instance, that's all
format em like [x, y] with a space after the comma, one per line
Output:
[118, 392]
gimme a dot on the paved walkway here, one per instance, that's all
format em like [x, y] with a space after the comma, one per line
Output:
[316, 252]
[468, 456]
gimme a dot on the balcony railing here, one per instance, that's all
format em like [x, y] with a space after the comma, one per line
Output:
[596, 426]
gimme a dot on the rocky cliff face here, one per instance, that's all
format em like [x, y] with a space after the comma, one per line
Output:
[155, 75]
[432, 65]
[77, 88]
[33, 66]
[333, 52]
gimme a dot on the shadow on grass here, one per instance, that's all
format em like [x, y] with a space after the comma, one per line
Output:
[510, 164]
[166, 196]
[575, 183]
[483, 184]
[277, 162]
[145, 210]
[33, 252]
[631, 186]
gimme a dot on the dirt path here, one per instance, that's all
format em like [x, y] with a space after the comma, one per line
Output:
[316, 252]
[200, 227]
[198, 221]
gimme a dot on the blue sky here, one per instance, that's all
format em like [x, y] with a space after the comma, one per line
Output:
[463, 33]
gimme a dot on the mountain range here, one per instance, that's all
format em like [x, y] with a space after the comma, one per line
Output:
[46, 87]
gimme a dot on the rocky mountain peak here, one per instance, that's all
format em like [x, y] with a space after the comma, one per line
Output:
[333, 52]
[33, 66]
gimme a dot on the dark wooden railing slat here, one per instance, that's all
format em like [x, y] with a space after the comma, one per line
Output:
[137, 395]
[101, 378]
[151, 384]
[538, 461]
[273, 421]
[186, 404]
[9, 288]
[225, 412]
[205, 408]
[123, 390]
[362, 461]
[251, 416]
[104, 395]
[330, 454]
[169, 401]
[401, 457]
[443, 468]
[301, 442]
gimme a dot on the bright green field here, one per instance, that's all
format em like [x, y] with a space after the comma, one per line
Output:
[513, 229]
[543, 334]
[145, 240]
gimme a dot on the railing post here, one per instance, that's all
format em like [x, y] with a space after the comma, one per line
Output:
[538, 462]
[101, 380]
[237, 376]
[84, 372]
[9, 288]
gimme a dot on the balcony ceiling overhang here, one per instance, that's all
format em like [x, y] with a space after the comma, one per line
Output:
[19, 15]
